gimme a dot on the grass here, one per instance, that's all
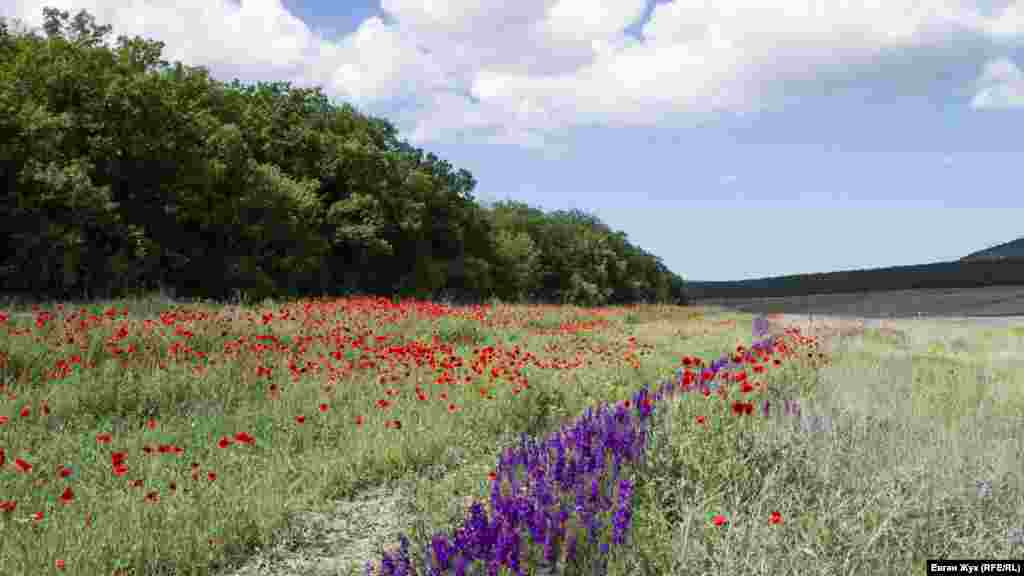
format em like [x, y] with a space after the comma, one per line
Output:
[196, 441]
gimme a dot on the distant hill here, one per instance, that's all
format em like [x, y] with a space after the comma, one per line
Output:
[1012, 249]
[1001, 265]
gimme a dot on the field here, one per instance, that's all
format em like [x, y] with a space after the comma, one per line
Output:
[142, 437]
[987, 301]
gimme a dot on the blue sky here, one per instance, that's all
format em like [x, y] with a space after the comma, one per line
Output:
[733, 142]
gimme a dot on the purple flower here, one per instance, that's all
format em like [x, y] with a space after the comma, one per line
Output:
[442, 551]
[593, 524]
[600, 441]
[760, 327]
[570, 553]
[405, 563]
[537, 525]
[550, 551]
[624, 514]
[507, 549]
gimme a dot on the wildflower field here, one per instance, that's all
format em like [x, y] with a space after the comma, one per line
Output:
[141, 438]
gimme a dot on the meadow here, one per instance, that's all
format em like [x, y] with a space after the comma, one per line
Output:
[314, 437]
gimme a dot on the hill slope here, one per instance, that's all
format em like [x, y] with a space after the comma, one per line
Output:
[1012, 249]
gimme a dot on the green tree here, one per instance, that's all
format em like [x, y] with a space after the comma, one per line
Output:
[123, 172]
[48, 174]
[519, 261]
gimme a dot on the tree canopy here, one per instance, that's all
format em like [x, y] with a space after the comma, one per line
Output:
[124, 172]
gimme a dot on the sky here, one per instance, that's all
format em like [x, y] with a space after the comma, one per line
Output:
[734, 139]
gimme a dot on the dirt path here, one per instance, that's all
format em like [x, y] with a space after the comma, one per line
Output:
[829, 328]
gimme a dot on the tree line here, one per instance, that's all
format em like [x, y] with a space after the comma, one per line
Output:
[124, 174]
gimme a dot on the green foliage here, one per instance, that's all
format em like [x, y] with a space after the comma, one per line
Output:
[127, 172]
[520, 263]
[463, 332]
[538, 411]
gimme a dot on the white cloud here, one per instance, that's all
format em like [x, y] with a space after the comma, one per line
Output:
[377, 62]
[1009, 23]
[1001, 85]
[258, 34]
[538, 67]
[589, 21]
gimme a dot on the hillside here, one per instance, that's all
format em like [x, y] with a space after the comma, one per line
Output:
[1011, 249]
[996, 266]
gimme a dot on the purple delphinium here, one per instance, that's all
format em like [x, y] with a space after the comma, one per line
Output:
[600, 442]
[581, 496]
[405, 562]
[593, 525]
[570, 549]
[443, 552]
[541, 489]
[760, 326]
[473, 539]
[537, 525]
[550, 548]
[598, 499]
[623, 514]
[507, 549]
[387, 565]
